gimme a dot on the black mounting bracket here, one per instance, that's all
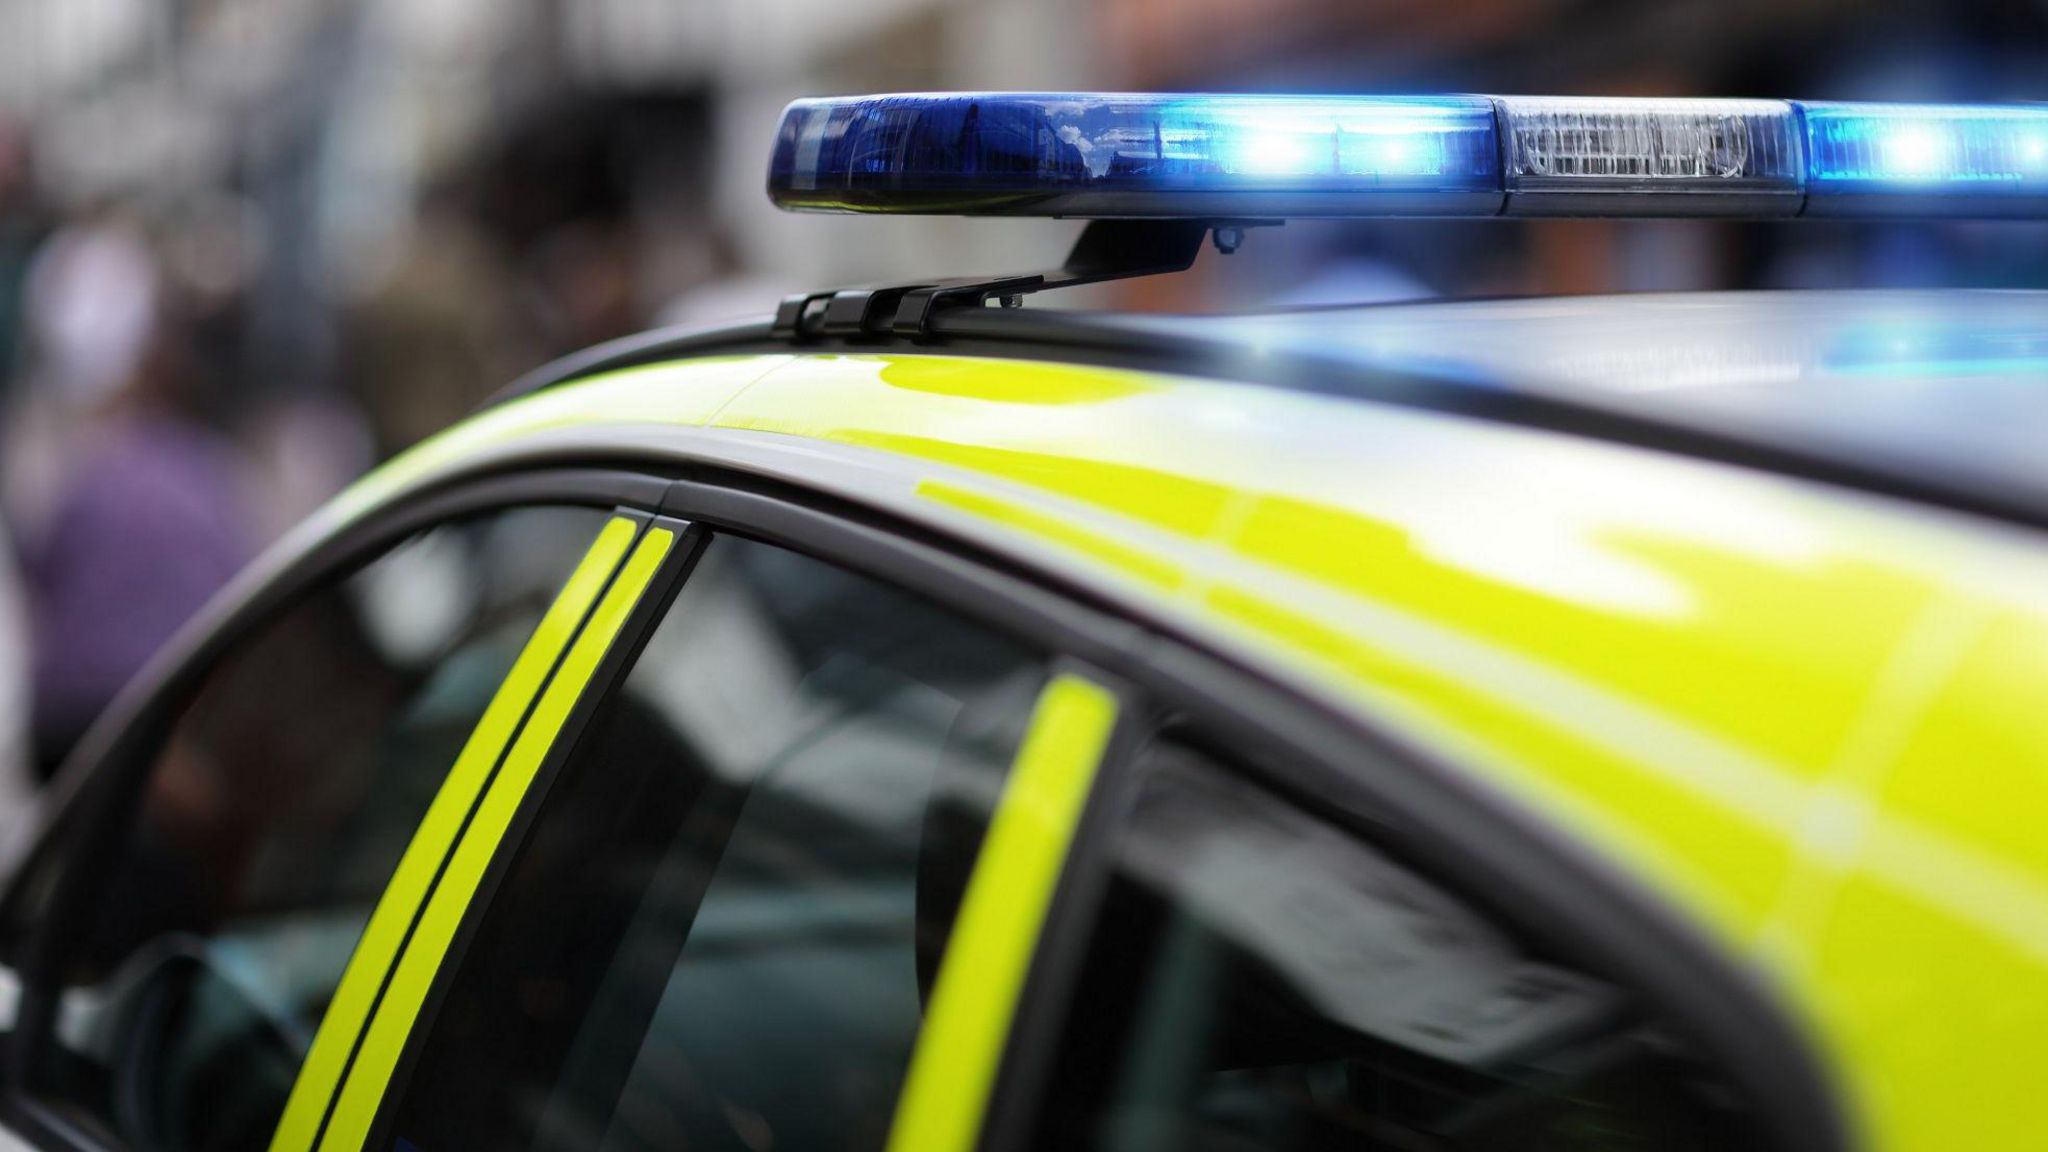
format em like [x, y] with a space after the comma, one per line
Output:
[1107, 250]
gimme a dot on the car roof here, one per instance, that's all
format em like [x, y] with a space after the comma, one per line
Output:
[1951, 386]
[1930, 395]
[1690, 667]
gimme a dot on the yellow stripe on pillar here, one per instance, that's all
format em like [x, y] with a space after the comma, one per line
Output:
[982, 975]
[378, 947]
[370, 1075]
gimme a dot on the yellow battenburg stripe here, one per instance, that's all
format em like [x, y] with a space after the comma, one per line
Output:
[321, 1074]
[982, 975]
[370, 1075]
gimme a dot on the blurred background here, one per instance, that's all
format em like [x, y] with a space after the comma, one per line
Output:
[248, 248]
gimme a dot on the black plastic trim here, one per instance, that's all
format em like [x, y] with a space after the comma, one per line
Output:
[970, 582]
[1433, 812]
[1107, 250]
[640, 523]
[93, 798]
[1069, 925]
[1531, 873]
[617, 660]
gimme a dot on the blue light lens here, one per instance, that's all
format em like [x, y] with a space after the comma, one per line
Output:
[1168, 156]
[1895, 157]
[1250, 157]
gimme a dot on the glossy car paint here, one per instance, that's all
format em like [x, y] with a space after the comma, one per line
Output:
[1809, 718]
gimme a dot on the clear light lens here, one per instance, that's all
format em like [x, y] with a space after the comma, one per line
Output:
[1603, 146]
[1960, 149]
[1088, 155]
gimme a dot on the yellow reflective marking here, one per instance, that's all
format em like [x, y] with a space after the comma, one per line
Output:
[982, 975]
[370, 1075]
[321, 1074]
[988, 506]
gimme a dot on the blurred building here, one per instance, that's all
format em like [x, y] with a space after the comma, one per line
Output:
[355, 219]
[422, 196]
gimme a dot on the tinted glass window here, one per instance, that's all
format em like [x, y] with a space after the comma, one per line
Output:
[1263, 979]
[274, 815]
[721, 931]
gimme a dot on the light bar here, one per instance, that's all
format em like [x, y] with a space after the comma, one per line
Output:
[1250, 157]
[1156, 156]
[1578, 156]
[1876, 159]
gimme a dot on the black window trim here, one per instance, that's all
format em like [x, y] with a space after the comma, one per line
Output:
[1243, 755]
[98, 783]
[966, 588]
[1429, 810]
[1432, 813]
[611, 669]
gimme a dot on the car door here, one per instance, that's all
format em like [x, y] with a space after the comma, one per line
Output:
[743, 903]
[792, 886]
[819, 833]
[1263, 970]
[203, 932]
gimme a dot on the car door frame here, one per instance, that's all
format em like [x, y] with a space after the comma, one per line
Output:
[1430, 811]
[92, 800]
[1530, 873]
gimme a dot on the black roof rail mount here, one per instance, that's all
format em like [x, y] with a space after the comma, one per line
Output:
[1107, 250]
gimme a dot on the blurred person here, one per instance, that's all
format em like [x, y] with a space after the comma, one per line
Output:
[136, 511]
[21, 230]
[716, 289]
[89, 305]
[586, 276]
[302, 439]
[16, 788]
[301, 449]
[435, 335]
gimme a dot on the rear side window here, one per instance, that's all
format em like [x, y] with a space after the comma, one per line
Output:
[1263, 978]
[722, 928]
[272, 818]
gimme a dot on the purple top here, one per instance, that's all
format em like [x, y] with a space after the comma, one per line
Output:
[149, 525]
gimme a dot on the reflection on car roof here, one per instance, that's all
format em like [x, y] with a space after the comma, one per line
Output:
[1948, 387]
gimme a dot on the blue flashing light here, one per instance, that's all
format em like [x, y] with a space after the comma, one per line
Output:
[1248, 157]
[1161, 156]
[1888, 144]
[1888, 154]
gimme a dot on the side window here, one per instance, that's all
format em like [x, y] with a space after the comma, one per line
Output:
[272, 818]
[1261, 978]
[722, 928]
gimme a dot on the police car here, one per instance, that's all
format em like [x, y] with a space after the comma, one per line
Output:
[905, 724]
